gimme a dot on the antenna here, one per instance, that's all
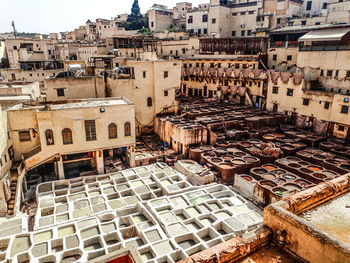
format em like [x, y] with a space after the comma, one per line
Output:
[14, 28]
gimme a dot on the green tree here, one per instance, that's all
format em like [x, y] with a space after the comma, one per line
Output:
[135, 9]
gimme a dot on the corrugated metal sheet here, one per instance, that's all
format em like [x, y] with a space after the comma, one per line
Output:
[334, 34]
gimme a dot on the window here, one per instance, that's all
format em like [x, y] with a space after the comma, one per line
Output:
[15, 47]
[289, 57]
[60, 92]
[166, 74]
[289, 92]
[275, 90]
[348, 73]
[213, 21]
[326, 105]
[24, 136]
[303, 23]
[251, 12]
[317, 23]
[149, 102]
[152, 24]
[205, 31]
[274, 57]
[344, 109]
[278, 20]
[329, 73]
[112, 131]
[233, 33]
[242, 13]
[144, 74]
[324, 6]
[67, 136]
[199, 31]
[308, 5]
[337, 73]
[90, 130]
[321, 73]
[166, 93]
[242, 33]
[234, 14]
[306, 102]
[205, 18]
[341, 128]
[127, 129]
[190, 20]
[49, 137]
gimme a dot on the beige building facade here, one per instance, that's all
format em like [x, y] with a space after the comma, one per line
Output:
[79, 131]
[151, 86]
[57, 89]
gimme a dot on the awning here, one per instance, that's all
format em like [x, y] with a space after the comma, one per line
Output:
[330, 34]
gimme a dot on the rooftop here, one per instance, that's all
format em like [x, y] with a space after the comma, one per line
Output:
[71, 104]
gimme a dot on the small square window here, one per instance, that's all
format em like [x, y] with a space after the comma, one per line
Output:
[341, 128]
[326, 105]
[144, 74]
[275, 90]
[289, 57]
[213, 21]
[233, 33]
[344, 109]
[274, 57]
[24, 136]
[166, 74]
[166, 93]
[329, 73]
[348, 73]
[289, 92]
[322, 73]
[306, 102]
[60, 92]
[303, 23]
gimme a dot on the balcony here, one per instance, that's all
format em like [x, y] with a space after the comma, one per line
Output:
[325, 48]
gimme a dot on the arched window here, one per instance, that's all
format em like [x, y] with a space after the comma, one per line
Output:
[49, 137]
[112, 131]
[67, 136]
[149, 102]
[127, 129]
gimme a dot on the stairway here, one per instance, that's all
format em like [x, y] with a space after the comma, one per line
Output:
[13, 188]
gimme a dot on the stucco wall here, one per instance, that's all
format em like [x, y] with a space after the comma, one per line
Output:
[75, 88]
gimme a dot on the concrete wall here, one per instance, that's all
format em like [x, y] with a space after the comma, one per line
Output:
[281, 63]
[183, 48]
[159, 21]
[197, 22]
[75, 88]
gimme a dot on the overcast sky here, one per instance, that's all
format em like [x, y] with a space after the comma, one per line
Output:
[45, 16]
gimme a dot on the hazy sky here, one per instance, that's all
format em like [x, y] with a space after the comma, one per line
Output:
[45, 16]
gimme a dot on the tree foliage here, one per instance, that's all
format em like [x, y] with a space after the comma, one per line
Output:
[136, 21]
[135, 9]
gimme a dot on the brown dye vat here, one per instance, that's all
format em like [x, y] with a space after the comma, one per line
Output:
[206, 148]
[305, 170]
[220, 151]
[279, 136]
[238, 162]
[251, 159]
[303, 183]
[320, 176]
[239, 154]
[227, 157]
[303, 163]
[216, 160]
[294, 165]
[292, 187]
[269, 137]
[259, 170]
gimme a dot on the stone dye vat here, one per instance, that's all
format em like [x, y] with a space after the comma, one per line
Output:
[269, 183]
[67, 200]
[328, 160]
[309, 171]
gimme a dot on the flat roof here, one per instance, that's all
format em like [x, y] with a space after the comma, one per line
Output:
[72, 104]
[330, 34]
[332, 218]
[301, 28]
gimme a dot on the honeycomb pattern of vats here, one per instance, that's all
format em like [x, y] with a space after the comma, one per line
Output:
[337, 147]
[67, 200]
[309, 171]
[310, 138]
[228, 161]
[328, 160]
[270, 183]
[163, 229]
[86, 239]
[200, 219]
